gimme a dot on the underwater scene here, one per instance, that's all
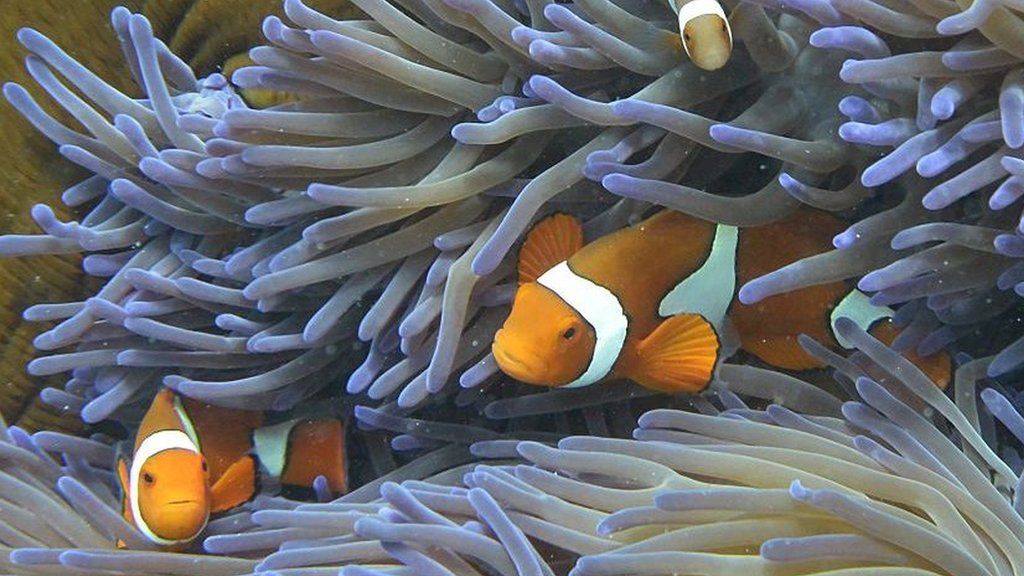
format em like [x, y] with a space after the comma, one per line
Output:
[512, 287]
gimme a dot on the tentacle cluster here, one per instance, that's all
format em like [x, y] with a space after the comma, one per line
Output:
[935, 105]
[875, 487]
[253, 257]
[240, 244]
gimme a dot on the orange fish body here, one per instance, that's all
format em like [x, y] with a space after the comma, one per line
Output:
[652, 302]
[192, 459]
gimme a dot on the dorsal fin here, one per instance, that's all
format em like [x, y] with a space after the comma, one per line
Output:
[161, 415]
[186, 422]
[551, 241]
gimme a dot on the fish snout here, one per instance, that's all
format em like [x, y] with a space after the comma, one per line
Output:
[707, 38]
[180, 519]
[713, 57]
[515, 362]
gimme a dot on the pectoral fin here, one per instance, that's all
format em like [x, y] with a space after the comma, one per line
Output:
[122, 481]
[235, 486]
[550, 242]
[678, 357]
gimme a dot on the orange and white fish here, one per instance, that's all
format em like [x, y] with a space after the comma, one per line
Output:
[653, 302]
[192, 459]
[705, 31]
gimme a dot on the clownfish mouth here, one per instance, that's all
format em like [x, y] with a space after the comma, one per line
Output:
[180, 502]
[512, 365]
[506, 360]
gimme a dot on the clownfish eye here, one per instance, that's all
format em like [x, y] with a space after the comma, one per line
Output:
[569, 334]
[148, 478]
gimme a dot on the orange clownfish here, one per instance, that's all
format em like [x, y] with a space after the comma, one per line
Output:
[192, 459]
[653, 302]
[705, 31]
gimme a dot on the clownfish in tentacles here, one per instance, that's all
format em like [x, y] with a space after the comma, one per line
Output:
[192, 459]
[653, 302]
[705, 32]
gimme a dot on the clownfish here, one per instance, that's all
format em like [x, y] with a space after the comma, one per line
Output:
[191, 460]
[705, 31]
[657, 303]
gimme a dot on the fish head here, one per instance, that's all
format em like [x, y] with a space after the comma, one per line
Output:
[544, 341]
[707, 40]
[174, 494]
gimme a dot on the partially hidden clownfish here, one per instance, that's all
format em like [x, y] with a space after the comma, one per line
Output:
[657, 303]
[191, 460]
[705, 32]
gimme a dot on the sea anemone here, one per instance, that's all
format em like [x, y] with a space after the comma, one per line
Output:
[253, 257]
[877, 489]
[239, 243]
[935, 108]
